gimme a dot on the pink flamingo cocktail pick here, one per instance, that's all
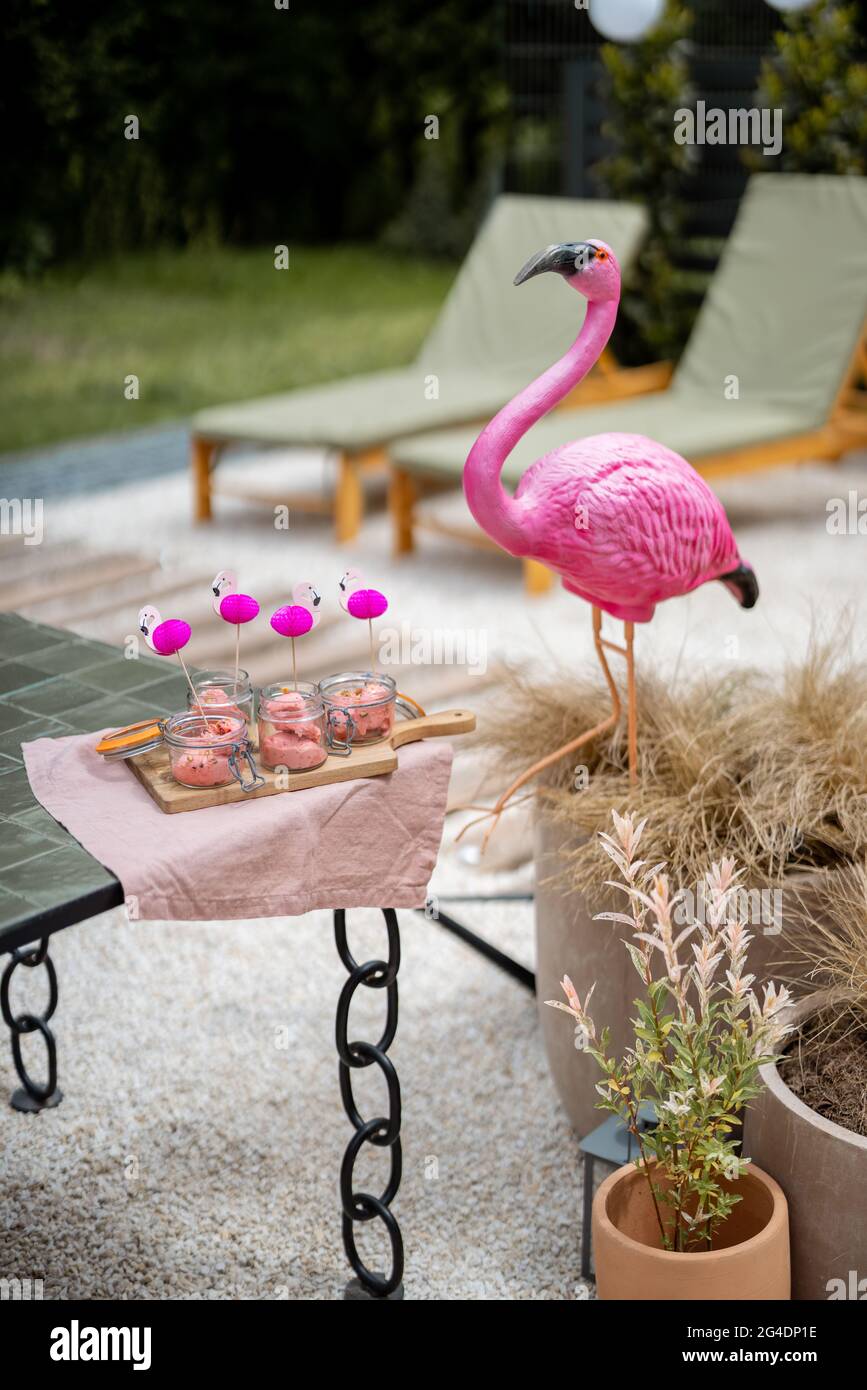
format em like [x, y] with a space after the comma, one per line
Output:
[167, 638]
[297, 618]
[363, 603]
[624, 521]
[233, 608]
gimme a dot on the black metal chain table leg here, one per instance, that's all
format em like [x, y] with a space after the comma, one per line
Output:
[31, 1095]
[384, 1130]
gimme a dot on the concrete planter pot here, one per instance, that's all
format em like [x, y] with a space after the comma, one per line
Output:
[569, 942]
[750, 1262]
[823, 1169]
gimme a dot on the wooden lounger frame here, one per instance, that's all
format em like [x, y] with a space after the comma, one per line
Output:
[346, 503]
[846, 429]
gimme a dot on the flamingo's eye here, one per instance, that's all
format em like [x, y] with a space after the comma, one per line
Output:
[602, 255]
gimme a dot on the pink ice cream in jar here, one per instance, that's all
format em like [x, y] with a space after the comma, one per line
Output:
[200, 749]
[361, 705]
[292, 727]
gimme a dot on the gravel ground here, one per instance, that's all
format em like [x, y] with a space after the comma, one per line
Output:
[196, 1151]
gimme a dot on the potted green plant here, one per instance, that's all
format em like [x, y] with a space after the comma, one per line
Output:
[692, 1218]
[809, 1126]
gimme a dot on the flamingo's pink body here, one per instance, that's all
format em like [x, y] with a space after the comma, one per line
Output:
[623, 520]
[626, 522]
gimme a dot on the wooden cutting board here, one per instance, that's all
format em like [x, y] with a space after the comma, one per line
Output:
[153, 771]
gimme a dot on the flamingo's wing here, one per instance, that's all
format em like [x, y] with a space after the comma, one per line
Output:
[643, 523]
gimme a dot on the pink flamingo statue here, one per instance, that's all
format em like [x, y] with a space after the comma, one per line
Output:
[233, 608]
[297, 618]
[623, 520]
[167, 638]
[361, 602]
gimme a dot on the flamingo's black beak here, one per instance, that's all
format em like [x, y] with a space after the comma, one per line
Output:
[566, 258]
[143, 630]
[317, 598]
[215, 590]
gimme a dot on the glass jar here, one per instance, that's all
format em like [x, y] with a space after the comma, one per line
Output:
[211, 752]
[293, 727]
[362, 705]
[219, 694]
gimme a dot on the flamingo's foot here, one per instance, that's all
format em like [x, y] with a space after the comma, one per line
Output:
[492, 814]
[508, 798]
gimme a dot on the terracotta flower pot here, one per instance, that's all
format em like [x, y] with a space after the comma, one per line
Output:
[750, 1261]
[570, 942]
[823, 1168]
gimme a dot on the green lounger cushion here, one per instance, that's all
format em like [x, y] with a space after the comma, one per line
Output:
[482, 348]
[684, 422]
[362, 411]
[788, 302]
[783, 315]
[484, 323]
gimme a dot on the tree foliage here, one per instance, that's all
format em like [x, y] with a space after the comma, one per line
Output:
[256, 123]
[815, 78]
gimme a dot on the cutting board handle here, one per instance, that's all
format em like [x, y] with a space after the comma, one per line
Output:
[440, 725]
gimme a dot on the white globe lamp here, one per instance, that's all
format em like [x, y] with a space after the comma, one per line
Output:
[625, 21]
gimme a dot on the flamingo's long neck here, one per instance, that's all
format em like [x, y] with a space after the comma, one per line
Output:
[495, 511]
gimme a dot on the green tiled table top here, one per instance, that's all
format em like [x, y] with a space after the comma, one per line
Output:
[54, 683]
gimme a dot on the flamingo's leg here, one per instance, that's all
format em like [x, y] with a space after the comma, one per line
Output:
[631, 704]
[496, 811]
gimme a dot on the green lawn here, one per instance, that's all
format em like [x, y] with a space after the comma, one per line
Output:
[198, 327]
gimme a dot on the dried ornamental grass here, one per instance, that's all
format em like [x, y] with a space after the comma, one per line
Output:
[830, 946]
[771, 772]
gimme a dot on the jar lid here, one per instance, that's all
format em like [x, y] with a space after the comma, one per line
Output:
[178, 730]
[132, 739]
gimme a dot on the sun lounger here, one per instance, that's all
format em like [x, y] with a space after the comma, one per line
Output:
[482, 348]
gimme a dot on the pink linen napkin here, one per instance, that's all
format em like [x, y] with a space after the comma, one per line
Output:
[367, 843]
